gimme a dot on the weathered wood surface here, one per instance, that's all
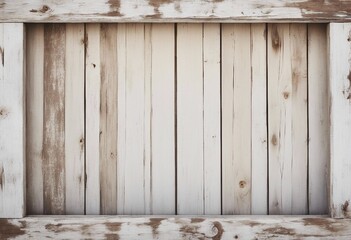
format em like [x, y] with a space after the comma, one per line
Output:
[318, 118]
[55, 116]
[174, 11]
[176, 118]
[287, 118]
[164, 227]
[339, 37]
[12, 120]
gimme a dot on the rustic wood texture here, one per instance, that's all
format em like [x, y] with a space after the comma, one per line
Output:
[174, 11]
[12, 121]
[34, 117]
[339, 37]
[259, 184]
[55, 119]
[198, 169]
[163, 227]
[287, 118]
[175, 119]
[318, 119]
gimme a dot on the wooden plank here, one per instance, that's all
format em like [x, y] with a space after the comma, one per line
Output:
[108, 119]
[172, 227]
[190, 180]
[163, 119]
[318, 117]
[54, 119]
[121, 116]
[211, 118]
[12, 121]
[134, 162]
[92, 121]
[259, 185]
[287, 106]
[339, 37]
[174, 11]
[236, 119]
[74, 119]
[34, 117]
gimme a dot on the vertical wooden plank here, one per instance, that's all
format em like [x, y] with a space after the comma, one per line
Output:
[318, 118]
[259, 185]
[74, 119]
[54, 119]
[92, 94]
[12, 120]
[236, 119]
[163, 119]
[287, 104]
[108, 119]
[190, 195]
[339, 37]
[211, 118]
[147, 117]
[34, 115]
[121, 116]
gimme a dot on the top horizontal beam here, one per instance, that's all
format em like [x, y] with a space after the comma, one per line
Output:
[175, 11]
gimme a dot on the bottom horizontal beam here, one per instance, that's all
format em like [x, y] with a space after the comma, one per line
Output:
[175, 227]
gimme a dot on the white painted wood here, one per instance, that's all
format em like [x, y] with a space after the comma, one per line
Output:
[287, 106]
[121, 116]
[134, 161]
[12, 121]
[174, 11]
[211, 118]
[172, 227]
[236, 119]
[259, 182]
[339, 36]
[74, 119]
[92, 120]
[34, 117]
[190, 179]
[163, 119]
[318, 117]
[147, 118]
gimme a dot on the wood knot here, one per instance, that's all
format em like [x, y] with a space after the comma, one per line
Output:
[286, 95]
[276, 42]
[242, 184]
[81, 141]
[3, 113]
[345, 206]
[274, 140]
[43, 9]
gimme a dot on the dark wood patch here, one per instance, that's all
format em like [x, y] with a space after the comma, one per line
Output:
[108, 119]
[282, 231]
[2, 53]
[220, 231]
[9, 230]
[197, 220]
[154, 224]
[327, 224]
[276, 41]
[54, 119]
[111, 236]
[274, 140]
[113, 226]
[2, 178]
[115, 6]
[250, 223]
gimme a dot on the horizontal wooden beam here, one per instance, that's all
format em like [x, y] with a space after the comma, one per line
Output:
[175, 11]
[175, 227]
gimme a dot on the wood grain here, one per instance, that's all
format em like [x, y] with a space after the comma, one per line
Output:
[54, 119]
[318, 117]
[236, 119]
[160, 227]
[175, 11]
[34, 116]
[287, 106]
[12, 121]
[339, 36]
[108, 119]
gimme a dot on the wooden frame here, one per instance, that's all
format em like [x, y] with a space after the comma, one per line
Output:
[12, 117]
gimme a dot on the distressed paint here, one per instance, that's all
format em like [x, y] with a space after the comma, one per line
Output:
[174, 11]
[158, 227]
